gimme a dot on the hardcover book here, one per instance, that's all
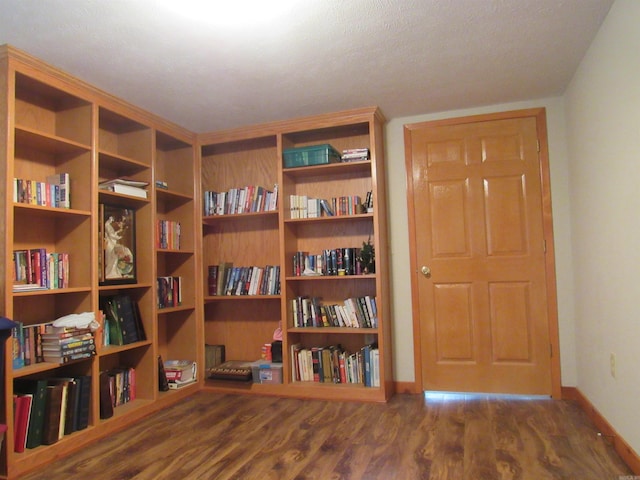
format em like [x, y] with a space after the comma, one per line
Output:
[53, 414]
[214, 356]
[22, 407]
[83, 403]
[106, 398]
[163, 385]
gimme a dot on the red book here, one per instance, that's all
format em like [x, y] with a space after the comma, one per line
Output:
[343, 370]
[21, 421]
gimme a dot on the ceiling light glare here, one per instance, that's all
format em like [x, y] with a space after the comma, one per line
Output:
[230, 13]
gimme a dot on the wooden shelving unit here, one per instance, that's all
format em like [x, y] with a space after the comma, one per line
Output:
[178, 325]
[125, 150]
[53, 123]
[250, 239]
[253, 156]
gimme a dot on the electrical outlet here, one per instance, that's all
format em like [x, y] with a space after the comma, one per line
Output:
[612, 364]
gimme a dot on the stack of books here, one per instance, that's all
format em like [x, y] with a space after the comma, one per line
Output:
[127, 187]
[65, 344]
[355, 155]
[180, 373]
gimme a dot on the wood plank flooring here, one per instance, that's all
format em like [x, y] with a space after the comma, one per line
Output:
[460, 437]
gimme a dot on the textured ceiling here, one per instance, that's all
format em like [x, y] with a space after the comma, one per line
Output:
[408, 57]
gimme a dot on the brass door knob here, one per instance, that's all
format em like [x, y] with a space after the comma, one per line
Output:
[426, 271]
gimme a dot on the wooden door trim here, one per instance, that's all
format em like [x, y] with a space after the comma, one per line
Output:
[547, 219]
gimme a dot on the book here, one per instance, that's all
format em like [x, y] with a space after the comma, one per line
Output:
[54, 341]
[38, 389]
[62, 333]
[67, 412]
[84, 402]
[17, 343]
[134, 188]
[127, 319]
[163, 384]
[53, 414]
[366, 357]
[106, 398]
[70, 357]
[212, 280]
[214, 356]
[327, 366]
[62, 184]
[70, 424]
[22, 406]
[355, 154]
[112, 328]
[126, 190]
[124, 181]
[179, 385]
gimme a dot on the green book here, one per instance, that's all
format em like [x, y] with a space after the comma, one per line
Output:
[115, 331]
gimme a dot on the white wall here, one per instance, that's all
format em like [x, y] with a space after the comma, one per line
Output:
[603, 138]
[399, 235]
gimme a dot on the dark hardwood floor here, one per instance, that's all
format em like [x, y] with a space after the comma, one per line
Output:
[461, 437]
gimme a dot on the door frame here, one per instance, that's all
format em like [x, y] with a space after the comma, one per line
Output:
[547, 225]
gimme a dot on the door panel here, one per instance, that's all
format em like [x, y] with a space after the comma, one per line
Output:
[454, 327]
[448, 207]
[477, 223]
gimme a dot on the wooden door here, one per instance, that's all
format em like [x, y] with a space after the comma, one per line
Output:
[478, 255]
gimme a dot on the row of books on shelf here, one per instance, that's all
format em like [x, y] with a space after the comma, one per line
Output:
[43, 342]
[47, 409]
[36, 269]
[122, 323]
[336, 261]
[225, 279]
[168, 234]
[354, 312]
[117, 387]
[303, 206]
[333, 364]
[54, 192]
[169, 291]
[249, 199]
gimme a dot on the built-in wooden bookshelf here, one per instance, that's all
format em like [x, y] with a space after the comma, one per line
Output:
[175, 204]
[254, 156]
[51, 124]
[125, 150]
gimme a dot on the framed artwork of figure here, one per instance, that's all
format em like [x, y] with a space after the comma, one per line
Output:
[118, 234]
